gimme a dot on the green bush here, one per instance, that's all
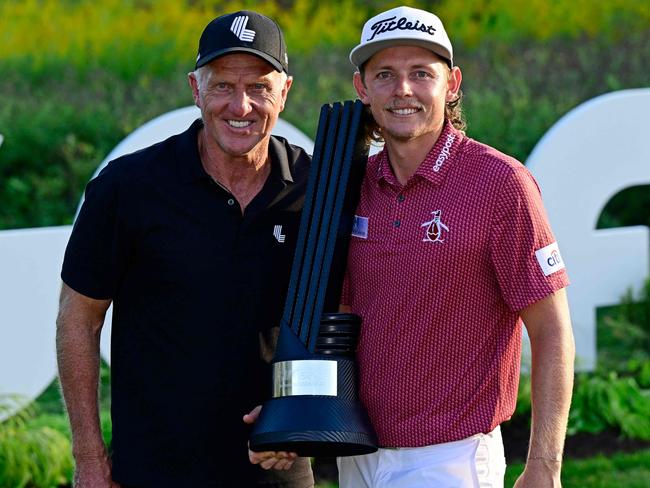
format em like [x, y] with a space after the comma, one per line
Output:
[617, 395]
[629, 470]
[70, 93]
[602, 402]
[623, 334]
[100, 34]
[32, 454]
[58, 131]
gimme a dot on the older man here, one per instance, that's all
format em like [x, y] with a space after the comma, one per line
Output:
[191, 240]
[451, 249]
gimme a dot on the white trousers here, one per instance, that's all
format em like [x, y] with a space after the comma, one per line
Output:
[477, 461]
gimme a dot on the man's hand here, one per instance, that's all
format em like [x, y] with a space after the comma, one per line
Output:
[540, 473]
[280, 460]
[93, 472]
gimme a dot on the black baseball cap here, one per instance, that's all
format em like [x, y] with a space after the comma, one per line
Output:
[244, 31]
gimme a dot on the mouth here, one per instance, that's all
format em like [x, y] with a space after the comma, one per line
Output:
[239, 124]
[403, 111]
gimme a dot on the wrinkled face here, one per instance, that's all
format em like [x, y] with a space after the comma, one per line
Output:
[407, 88]
[240, 97]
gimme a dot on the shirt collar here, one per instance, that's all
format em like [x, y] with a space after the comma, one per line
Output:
[280, 167]
[435, 165]
[190, 167]
[187, 154]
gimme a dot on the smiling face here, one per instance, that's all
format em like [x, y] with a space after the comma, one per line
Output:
[407, 88]
[240, 97]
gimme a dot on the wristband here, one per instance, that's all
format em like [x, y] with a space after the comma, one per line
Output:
[556, 459]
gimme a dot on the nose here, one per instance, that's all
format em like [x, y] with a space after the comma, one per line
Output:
[240, 103]
[403, 87]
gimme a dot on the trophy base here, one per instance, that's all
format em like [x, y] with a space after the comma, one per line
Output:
[313, 426]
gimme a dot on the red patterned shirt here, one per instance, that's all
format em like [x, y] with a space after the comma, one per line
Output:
[438, 270]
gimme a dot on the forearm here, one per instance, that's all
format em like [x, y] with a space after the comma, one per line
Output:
[551, 388]
[77, 343]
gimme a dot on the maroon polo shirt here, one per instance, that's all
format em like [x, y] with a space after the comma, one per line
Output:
[439, 269]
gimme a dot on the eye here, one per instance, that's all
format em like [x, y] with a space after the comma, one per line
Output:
[259, 87]
[221, 86]
[384, 75]
[421, 75]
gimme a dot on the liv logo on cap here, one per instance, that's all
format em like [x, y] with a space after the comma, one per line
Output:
[239, 28]
[245, 32]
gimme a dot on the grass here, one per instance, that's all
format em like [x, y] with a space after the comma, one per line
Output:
[631, 470]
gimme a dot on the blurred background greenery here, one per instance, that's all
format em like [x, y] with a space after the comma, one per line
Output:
[77, 76]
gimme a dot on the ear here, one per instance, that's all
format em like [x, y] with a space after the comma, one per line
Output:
[453, 84]
[361, 89]
[194, 85]
[285, 91]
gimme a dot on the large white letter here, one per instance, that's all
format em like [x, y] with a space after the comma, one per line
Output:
[592, 153]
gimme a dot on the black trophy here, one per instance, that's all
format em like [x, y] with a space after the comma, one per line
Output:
[315, 408]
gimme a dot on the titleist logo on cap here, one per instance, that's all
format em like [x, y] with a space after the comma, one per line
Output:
[390, 24]
[402, 26]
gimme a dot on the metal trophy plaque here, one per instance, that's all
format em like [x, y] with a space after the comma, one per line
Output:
[315, 408]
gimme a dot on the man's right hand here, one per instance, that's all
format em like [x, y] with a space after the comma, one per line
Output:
[78, 329]
[279, 460]
[94, 473]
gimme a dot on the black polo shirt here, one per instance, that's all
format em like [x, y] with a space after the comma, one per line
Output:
[196, 289]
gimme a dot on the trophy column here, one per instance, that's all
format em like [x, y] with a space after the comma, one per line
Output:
[315, 409]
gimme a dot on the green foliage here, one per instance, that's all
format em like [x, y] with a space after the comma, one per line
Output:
[619, 212]
[57, 131]
[623, 332]
[70, 92]
[101, 34]
[35, 450]
[524, 404]
[327, 485]
[32, 454]
[602, 402]
[641, 371]
[474, 21]
[617, 395]
[631, 470]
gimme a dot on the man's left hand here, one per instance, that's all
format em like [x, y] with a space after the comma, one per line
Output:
[540, 473]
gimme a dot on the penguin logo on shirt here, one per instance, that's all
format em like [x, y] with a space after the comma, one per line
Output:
[434, 228]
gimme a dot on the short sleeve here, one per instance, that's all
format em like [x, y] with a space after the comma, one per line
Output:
[96, 253]
[521, 234]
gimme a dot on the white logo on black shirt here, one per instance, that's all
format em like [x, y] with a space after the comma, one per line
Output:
[277, 233]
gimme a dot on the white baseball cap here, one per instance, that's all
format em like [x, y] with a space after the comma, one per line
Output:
[402, 26]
